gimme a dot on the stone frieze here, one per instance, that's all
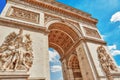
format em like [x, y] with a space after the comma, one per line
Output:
[16, 52]
[22, 14]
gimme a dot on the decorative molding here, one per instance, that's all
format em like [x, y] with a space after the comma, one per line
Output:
[49, 17]
[22, 14]
[17, 24]
[91, 32]
[61, 11]
[10, 75]
[73, 47]
[106, 62]
[16, 52]
[97, 41]
[73, 23]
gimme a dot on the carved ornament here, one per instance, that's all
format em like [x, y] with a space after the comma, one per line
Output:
[49, 17]
[22, 14]
[16, 52]
[106, 62]
[91, 32]
[78, 15]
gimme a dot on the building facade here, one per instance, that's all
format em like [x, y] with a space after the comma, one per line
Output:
[28, 28]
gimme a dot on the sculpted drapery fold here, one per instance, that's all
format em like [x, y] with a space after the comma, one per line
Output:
[16, 52]
[106, 62]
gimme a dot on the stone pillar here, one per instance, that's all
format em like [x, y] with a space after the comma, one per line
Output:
[77, 76]
[84, 63]
[70, 71]
[65, 70]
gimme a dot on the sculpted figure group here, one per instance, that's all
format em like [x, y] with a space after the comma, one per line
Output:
[106, 62]
[16, 52]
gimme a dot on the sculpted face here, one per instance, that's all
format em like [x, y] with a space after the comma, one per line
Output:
[16, 56]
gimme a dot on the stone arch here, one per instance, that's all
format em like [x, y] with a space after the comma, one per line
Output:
[62, 36]
[70, 60]
[62, 21]
[65, 36]
[74, 68]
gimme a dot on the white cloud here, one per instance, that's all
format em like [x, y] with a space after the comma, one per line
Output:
[61, 78]
[112, 47]
[115, 17]
[103, 36]
[56, 68]
[119, 68]
[113, 50]
[53, 56]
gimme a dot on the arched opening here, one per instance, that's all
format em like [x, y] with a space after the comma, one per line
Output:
[62, 38]
[55, 65]
[74, 68]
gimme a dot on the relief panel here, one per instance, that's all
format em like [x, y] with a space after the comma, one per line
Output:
[22, 14]
[91, 32]
[49, 17]
[106, 62]
[16, 52]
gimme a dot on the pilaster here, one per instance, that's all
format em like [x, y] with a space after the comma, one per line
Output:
[65, 70]
[84, 62]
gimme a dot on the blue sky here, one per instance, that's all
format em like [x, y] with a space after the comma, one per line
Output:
[108, 14]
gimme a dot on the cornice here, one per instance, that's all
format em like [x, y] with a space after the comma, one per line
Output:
[17, 24]
[93, 40]
[115, 73]
[60, 8]
[61, 5]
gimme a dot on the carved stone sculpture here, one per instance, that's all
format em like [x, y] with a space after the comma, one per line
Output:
[22, 14]
[16, 52]
[91, 32]
[106, 62]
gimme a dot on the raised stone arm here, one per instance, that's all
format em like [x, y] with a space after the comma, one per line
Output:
[106, 62]
[106, 59]
[16, 56]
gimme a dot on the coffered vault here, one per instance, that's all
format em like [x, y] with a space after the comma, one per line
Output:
[62, 37]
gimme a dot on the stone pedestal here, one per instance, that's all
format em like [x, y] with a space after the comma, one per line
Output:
[17, 75]
[116, 75]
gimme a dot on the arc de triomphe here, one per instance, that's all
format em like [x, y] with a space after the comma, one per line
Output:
[29, 27]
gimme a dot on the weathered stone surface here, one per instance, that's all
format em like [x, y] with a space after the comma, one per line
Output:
[47, 23]
[10, 75]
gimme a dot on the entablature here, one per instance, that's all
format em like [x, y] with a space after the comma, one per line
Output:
[17, 24]
[59, 9]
